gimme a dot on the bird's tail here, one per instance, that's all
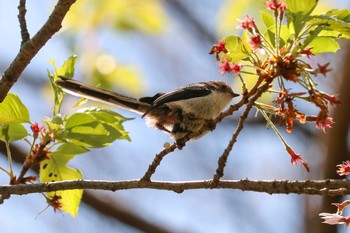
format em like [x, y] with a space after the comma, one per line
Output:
[80, 89]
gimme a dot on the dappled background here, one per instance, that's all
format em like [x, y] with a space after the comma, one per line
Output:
[143, 47]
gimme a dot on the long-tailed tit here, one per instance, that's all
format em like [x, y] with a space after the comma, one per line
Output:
[182, 112]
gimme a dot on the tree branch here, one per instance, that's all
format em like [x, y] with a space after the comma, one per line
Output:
[102, 204]
[156, 161]
[308, 187]
[30, 48]
[223, 158]
[22, 21]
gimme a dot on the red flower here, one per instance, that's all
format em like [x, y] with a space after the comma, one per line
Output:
[36, 129]
[218, 48]
[283, 6]
[333, 99]
[324, 123]
[55, 202]
[334, 219]
[344, 169]
[273, 5]
[323, 69]
[248, 23]
[307, 52]
[226, 67]
[296, 158]
[236, 68]
[256, 42]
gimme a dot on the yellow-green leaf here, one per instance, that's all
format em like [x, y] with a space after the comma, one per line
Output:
[302, 6]
[55, 169]
[12, 110]
[12, 132]
[323, 45]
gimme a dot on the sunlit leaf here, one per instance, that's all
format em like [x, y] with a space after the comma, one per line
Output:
[323, 45]
[304, 6]
[67, 69]
[55, 169]
[284, 35]
[343, 15]
[234, 45]
[79, 119]
[268, 19]
[12, 110]
[342, 28]
[12, 132]
[94, 127]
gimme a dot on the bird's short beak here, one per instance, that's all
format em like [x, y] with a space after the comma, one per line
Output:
[235, 95]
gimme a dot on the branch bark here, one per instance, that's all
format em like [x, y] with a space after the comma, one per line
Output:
[308, 187]
[105, 207]
[32, 46]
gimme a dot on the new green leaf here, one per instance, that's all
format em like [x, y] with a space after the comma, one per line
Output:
[12, 110]
[94, 127]
[235, 47]
[323, 45]
[12, 132]
[67, 69]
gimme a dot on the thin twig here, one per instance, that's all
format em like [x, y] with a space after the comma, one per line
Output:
[223, 158]
[32, 47]
[22, 21]
[156, 161]
[308, 187]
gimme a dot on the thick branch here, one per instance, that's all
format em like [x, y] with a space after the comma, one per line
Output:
[30, 48]
[308, 187]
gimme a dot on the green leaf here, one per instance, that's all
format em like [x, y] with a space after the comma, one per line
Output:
[342, 28]
[301, 6]
[311, 36]
[55, 169]
[12, 110]
[295, 22]
[94, 127]
[105, 115]
[67, 69]
[284, 35]
[235, 47]
[69, 148]
[79, 119]
[268, 19]
[55, 125]
[246, 48]
[343, 15]
[12, 132]
[323, 45]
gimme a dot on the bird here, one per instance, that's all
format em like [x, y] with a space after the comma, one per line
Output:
[181, 113]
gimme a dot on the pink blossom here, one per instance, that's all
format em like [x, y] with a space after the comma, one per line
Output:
[296, 158]
[226, 67]
[334, 219]
[324, 123]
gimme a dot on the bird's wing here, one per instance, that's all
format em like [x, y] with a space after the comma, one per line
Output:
[188, 92]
